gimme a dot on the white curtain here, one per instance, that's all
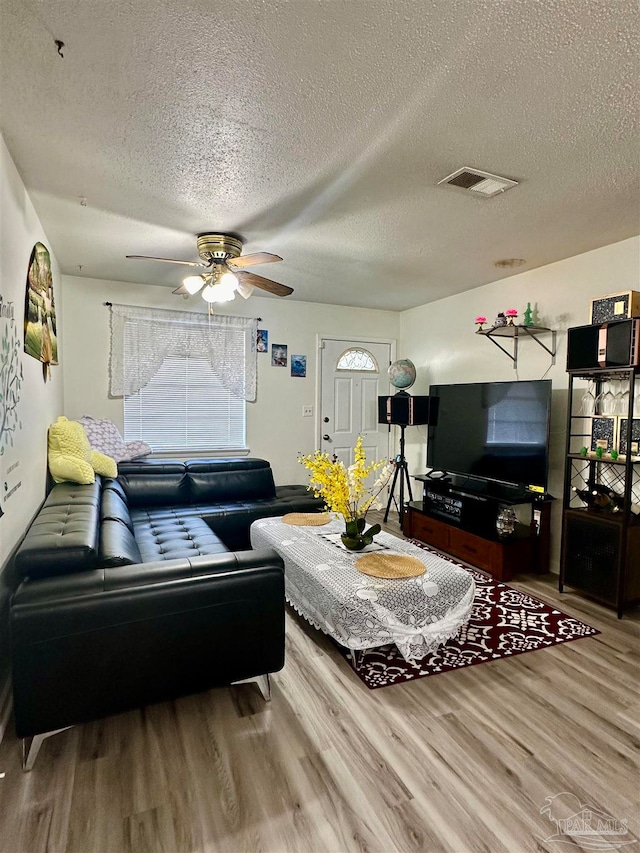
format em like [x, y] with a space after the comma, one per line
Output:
[141, 338]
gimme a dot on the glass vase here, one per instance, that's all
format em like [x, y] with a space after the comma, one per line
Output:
[355, 537]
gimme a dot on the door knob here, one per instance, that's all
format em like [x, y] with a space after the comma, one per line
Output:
[326, 420]
[326, 438]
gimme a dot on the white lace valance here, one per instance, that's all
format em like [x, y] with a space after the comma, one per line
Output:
[141, 338]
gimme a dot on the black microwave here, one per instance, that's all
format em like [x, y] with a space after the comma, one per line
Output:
[614, 344]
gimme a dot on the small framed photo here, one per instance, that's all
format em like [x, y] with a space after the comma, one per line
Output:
[635, 437]
[278, 355]
[262, 340]
[299, 365]
[604, 433]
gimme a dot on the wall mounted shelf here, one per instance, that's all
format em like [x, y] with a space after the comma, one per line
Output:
[517, 332]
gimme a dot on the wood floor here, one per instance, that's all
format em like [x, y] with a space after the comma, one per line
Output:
[457, 762]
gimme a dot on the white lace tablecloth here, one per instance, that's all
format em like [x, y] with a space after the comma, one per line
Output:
[362, 612]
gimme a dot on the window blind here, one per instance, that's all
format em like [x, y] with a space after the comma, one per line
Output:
[185, 407]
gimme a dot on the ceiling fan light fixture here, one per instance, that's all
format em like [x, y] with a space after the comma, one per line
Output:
[228, 279]
[245, 290]
[193, 283]
[217, 293]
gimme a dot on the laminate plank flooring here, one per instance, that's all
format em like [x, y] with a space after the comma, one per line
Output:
[461, 762]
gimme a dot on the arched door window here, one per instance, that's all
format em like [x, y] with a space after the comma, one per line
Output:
[357, 359]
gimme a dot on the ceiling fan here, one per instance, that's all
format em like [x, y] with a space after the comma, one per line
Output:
[223, 262]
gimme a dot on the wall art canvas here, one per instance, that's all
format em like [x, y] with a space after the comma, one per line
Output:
[11, 376]
[262, 340]
[299, 365]
[40, 335]
[278, 355]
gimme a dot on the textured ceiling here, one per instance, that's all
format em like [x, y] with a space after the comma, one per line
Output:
[318, 129]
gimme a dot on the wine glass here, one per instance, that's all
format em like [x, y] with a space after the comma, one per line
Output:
[622, 404]
[608, 401]
[588, 401]
[599, 410]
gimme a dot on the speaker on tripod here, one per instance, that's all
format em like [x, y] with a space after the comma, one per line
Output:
[403, 410]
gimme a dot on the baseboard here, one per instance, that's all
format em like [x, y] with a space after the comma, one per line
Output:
[6, 704]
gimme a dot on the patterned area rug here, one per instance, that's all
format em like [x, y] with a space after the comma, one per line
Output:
[504, 622]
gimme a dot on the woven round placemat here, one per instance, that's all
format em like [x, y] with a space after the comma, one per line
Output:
[306, 519]
[391, 566]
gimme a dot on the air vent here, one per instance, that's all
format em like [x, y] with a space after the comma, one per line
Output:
[481, 184]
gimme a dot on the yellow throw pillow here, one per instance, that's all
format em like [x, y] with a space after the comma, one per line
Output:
[71, 457]
[103, 464]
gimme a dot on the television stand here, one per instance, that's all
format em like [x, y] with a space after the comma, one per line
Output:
[463, 525]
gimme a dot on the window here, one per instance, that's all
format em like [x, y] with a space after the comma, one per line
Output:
[184, 376]
[357, 359]
[185, 407]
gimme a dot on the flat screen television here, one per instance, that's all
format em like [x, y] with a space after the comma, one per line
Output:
[496, 432]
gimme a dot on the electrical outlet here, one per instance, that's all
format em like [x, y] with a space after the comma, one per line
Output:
[307, 411]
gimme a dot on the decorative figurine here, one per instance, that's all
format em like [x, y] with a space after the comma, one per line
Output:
[599, 452]
[500, 320]
[528, 315]
[584, 451]
[511, 313]
[480, 321]
[614, 454]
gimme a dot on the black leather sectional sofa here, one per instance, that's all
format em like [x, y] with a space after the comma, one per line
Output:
[144, 588]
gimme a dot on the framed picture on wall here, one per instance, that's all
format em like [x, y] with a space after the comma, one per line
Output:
[299, 365]
[278, 355]
[262, 340]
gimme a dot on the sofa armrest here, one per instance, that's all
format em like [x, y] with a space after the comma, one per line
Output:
[89, 645]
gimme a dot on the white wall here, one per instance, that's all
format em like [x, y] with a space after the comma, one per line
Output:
[26, 462]
[276, 429]
[439, 338]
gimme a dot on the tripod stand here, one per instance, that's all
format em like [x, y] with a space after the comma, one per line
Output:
[401, 469]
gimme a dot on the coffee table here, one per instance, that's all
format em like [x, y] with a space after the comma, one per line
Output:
[362, 612]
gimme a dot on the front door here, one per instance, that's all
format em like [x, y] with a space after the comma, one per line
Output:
[352, 376]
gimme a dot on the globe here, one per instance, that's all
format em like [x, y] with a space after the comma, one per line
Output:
[402, 373]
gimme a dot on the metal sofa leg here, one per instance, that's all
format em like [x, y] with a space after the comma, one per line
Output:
[263, 682]
[31, 747]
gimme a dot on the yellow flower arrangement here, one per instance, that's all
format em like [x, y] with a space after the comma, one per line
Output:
[345, 491]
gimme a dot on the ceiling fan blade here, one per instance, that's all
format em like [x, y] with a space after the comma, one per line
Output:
[264, 283]
[167, 260]
[253, 260]
[181, 291]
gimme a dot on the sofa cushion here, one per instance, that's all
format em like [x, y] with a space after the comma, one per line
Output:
[118, 546]
[69, 494]
[229, 485]
[114, 486]
[298, 499]
[154, 483]
[62, 539]
[172, 538]
[231, 520]
[231, 463]
[114, 508]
